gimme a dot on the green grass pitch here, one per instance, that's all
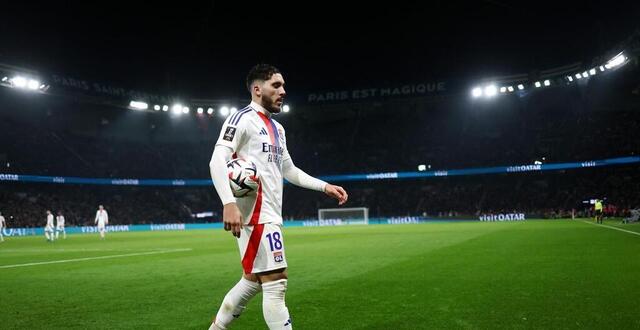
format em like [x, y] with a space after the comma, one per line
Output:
[471, 275]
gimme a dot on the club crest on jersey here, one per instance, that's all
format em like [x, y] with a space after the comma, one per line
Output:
[281, 135]
[277, 256]
[229, 133]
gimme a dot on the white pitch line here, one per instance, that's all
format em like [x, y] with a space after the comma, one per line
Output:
[612, 227]
[93, 258]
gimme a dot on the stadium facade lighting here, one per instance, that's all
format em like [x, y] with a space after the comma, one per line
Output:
[33, 84]
[165, 108]
[422, 167]
[5, 79]
[537, 84]
[156, 107]
[578, 76]
[520, 86]
[19, 81]
[585, 74]
[200, 110]
[491, 91]
[233, 110]
[176, 109]
[570, 78]
[185, 109]
[503, 89]
[138, 105]
[476, 92]
[547, 82]
[602, 68]
[286, 108]
[210, 111]
[510, 89]
[592, 72]
[224, 111]
[616, 61]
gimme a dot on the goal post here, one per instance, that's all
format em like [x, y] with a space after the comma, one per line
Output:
[349, 216]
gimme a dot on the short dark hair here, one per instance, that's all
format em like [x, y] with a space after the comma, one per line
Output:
[262, 72]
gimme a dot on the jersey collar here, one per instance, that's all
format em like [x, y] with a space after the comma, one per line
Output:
[259, 108]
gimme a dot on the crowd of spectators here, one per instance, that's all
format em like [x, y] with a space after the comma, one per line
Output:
[558, 125]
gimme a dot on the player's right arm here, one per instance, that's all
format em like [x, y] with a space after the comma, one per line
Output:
[228, 142]
[97, 215]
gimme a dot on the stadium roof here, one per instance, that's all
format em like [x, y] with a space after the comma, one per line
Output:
[204, 50]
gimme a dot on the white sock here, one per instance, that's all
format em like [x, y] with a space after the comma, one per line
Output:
[274, 309]
[46, 234]
[235, 302]
[57, 234]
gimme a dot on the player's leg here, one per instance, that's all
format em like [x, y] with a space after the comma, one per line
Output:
[1, 236]
[236, 300]
[64, 234]
[274, 308]
[57, 233]
[271, 268]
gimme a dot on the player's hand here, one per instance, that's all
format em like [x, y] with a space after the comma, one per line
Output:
[336, 192]
[232, 219]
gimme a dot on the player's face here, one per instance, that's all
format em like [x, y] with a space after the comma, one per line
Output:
[272, 93]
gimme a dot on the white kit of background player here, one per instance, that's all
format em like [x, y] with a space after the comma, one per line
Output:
[102, 220]
[60, 226]
[3, 223]
[48, 228]
[256, 221]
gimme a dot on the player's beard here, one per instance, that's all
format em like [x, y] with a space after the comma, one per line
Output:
[271, 106]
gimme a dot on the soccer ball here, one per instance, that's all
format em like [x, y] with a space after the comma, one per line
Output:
[243, 177]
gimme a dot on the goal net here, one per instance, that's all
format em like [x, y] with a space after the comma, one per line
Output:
[348, 216]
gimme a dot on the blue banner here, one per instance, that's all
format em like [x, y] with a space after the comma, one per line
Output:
[13, 232]
[332, 178]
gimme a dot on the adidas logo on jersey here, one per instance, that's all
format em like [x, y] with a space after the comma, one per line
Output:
[263, 132]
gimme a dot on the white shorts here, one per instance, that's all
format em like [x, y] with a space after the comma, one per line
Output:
[60, 228]
[262, 248]
[101, 227]
[48, 229]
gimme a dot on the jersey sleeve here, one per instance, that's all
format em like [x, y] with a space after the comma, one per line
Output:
[232, 133]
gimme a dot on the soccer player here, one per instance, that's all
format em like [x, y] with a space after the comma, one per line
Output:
[102, 220]
[3, 224]
[598, 208]
[253, 134]
[60, 226]
[48, 228]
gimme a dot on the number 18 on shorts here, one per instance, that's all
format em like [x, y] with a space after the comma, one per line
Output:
[262, 248]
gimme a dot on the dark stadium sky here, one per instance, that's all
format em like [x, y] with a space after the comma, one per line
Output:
[203, 49]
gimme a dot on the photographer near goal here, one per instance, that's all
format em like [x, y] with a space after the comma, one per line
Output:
[256, 221]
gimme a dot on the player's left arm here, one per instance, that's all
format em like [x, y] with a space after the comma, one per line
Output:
[299, 178]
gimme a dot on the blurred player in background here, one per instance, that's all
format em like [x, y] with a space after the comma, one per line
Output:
[252, 134]
[48, 228]
[60, 226]
[598, 208]
[3, 224]
[102, 220]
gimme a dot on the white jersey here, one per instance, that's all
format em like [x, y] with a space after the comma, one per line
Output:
[60, 221]
[102, 218]
[2, 222]
[49, 225]
[253, 135]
